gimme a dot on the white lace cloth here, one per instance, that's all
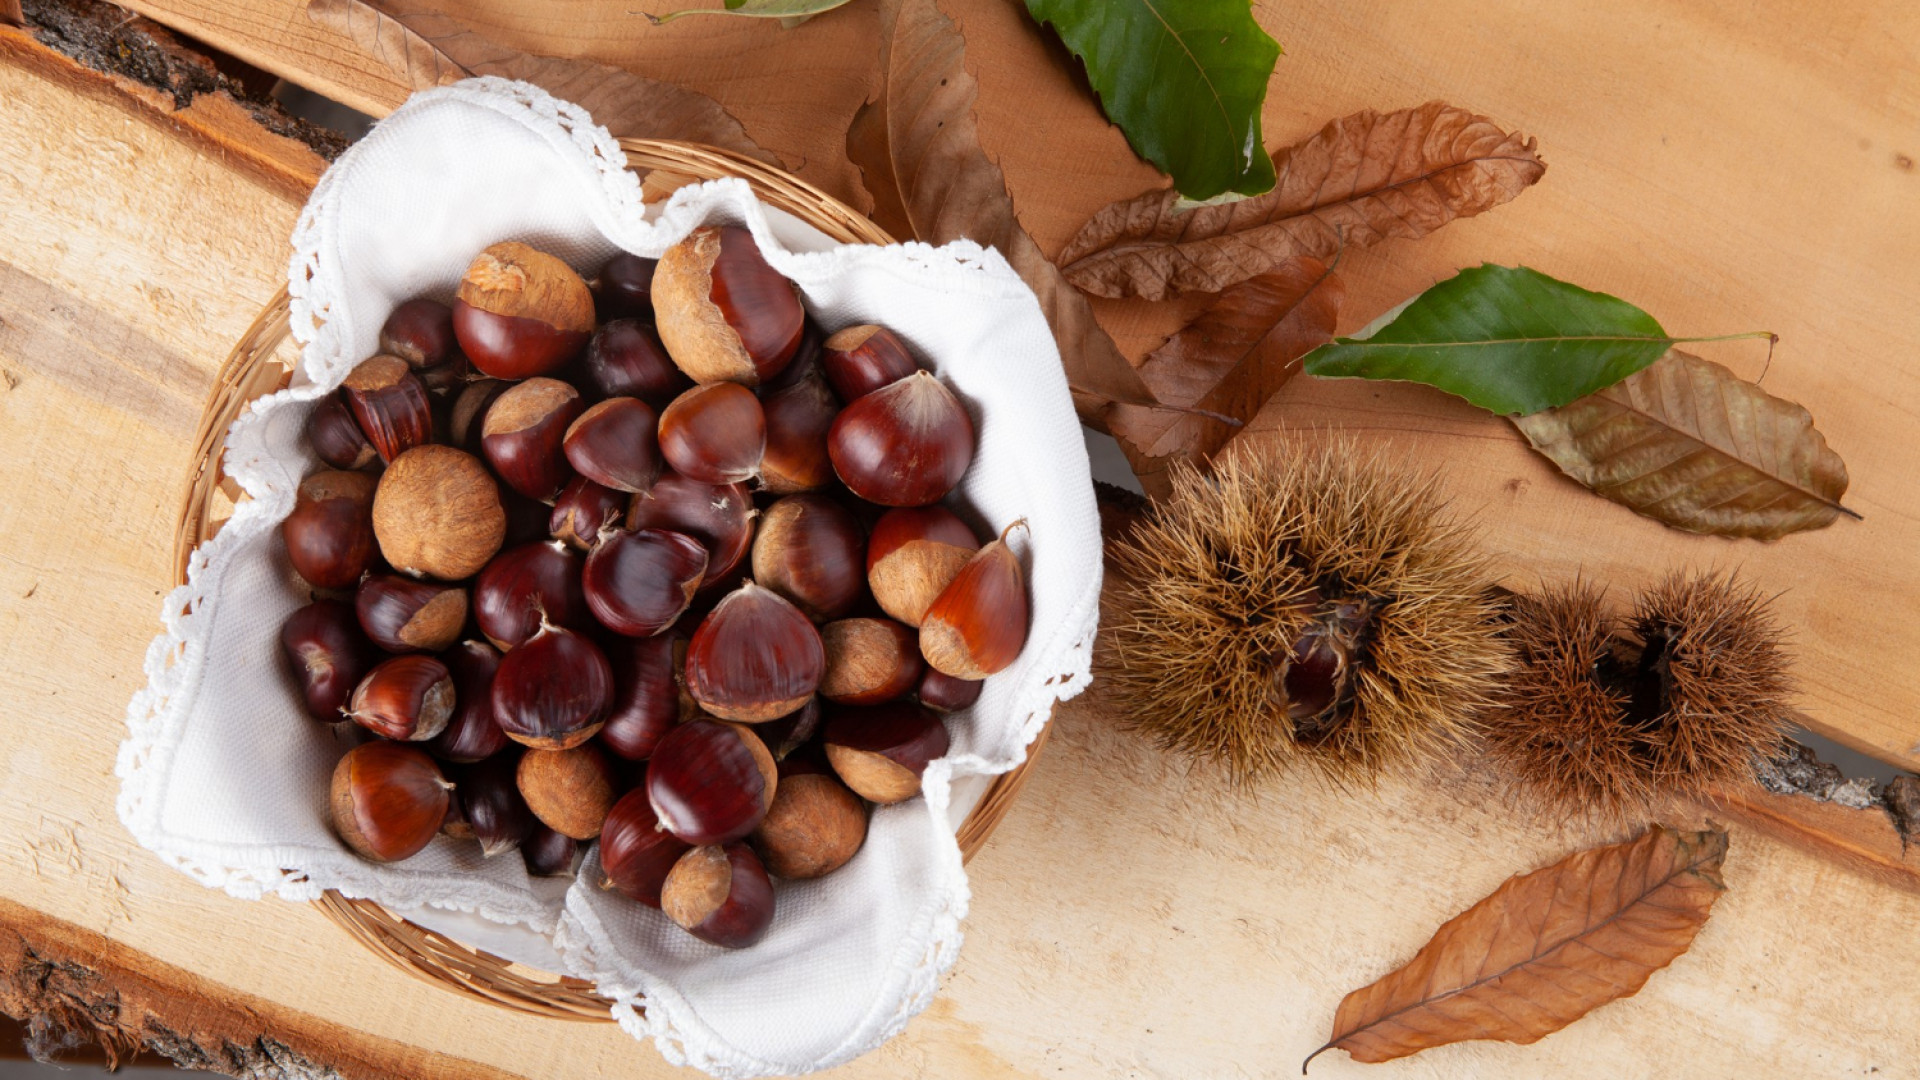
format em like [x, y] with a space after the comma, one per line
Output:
[224, 777]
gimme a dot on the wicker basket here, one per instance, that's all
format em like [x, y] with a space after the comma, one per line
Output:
[263, 362]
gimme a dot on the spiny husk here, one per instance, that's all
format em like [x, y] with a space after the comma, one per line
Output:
[1214, 588]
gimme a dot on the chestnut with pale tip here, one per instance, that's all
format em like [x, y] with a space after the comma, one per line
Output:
[521, 312]
[390, 405]
[881, 751]
[638, 583]
[328, 653]
[869, 661]
[720, 895]
[329, 533]
[626, 359]
[548, 853]
[406, 698]
[861, 359]
[798, 417]
[723, 313]
[469, 412]
[471, 733]
[420, 332]
[978, 624]
[553, 690]
[488, 796]
[614, 443]
[524, 434]
[388, 800]
[582, 509]
[437, 513]
[754, 657]
[646, 694]
[336, 436]
[719, 516]
[402, 615]
[809, 550]
[815, 825]
[569, 790]
[905, 444]
[525, 584]
[913, 555]
[711, 782]
[715, 434]
[636, 851]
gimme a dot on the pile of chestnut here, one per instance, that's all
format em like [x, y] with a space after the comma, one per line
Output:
[650, 560]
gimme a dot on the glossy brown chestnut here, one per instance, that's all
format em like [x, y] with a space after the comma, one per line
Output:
[798, 418]
[978, 625]
[454, 825]
[646, 694]
[624, 289]
[526, 584]
[548, 853]
[626, 359]
[524, 432]
[723, 313]
[880, 751]
[805, 362]
[329, 533]
[862, 359]
[336, 436]
[402, 615]
[328, 653]
[406, 698]
[527, 519]
[419, 332]
[792, 731]
[939, 690]
[815, 825]
[470, 411]
[715, 434]
[905, 444]
[388, 800]
[638, 583]
[521, 312]
[711, 782]
[913, 555]
[614, 443]
[437, 513]
[869, 661]
[390, 405]
[471, 733]
[720, 895]
[719, 516]
[809, 549]
[571, 790]
[490, 800]
[635, 851]
[553, 690]
[582, 509]
[754, 657]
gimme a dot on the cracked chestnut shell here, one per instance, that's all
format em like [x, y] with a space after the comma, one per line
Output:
[754, 657]
[388, 800]
[521, 312]
[720, 895]
[390, 404]
[723, 313]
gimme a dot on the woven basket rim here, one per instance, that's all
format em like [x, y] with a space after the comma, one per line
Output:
[251, 371]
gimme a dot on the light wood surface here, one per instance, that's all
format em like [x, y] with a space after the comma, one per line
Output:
[1128, 919]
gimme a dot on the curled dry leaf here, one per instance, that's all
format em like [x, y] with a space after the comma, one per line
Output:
[408, 55]
[1689, 443]
[1362, 179]
[1544, 950]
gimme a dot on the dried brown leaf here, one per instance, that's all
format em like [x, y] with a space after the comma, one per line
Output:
[1689, 443]
[409, 56]
[1362, 179]
[919, 155]
[1543, 950]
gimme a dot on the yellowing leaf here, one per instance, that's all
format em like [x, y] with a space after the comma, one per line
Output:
[408, 55]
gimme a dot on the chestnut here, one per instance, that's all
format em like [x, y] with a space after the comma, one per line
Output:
[471, 733]
[815, 825]
[809, 550]
[613, 443]
[880, 751]
[905, 444]
[569, 790]
[470, 411]
[792, 731]
[388, 800]
[444, 383]
[406, 698]
[754, 657]
[638, 583]
[805, 362]
[390, 405]
[488, 796]
[715, 434]
[869, 661]
[526, 584]
[646, 694]
[939, 690]
[861, 359]
[626, 359]
[720, 517]
[521, 312]
[329, 534]
[548, 853]
[402, 615]
[798, 418]
[437, 513]
[328, 653]
[710, 782]
[336, 436]
[582, 509]
[420, 332]
[720, 895]
[454, 826]
[914, 554]
[724, 314]
[523, 433]
[553, 690]
[624, 289]
[636, 853]
[978, 624]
